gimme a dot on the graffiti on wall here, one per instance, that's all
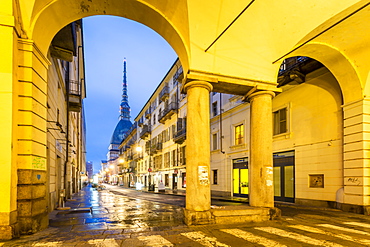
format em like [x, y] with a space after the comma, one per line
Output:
[39, 163]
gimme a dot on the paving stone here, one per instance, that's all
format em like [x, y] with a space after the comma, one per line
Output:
[89, 227]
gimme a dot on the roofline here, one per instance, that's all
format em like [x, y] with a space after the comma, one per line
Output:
[151, 96]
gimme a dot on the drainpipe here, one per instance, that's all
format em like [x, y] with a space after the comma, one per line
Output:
[67, 133]
[221, 136]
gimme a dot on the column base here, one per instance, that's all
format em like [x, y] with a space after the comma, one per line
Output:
[9, 232]
[31, 201]
[231, 215]
[9, 227]
[33, 224]
[198, 217]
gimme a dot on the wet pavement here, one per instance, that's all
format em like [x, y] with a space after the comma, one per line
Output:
[104, 214]
[119, 216]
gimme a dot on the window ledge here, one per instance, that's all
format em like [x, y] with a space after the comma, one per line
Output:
[239, 146]
[282, 136]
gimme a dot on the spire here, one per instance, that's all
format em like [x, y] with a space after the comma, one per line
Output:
[124, 107]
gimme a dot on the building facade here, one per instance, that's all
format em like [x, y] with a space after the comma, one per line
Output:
[243, 59]
[307, 139]
[153, 153]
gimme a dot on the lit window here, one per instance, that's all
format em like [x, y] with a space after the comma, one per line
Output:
[239, 134]
[280, 121]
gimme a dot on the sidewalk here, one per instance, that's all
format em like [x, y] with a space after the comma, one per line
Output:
[99, 215]
[244, 200]
[104, 216]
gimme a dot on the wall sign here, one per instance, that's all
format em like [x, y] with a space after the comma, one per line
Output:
[203, 175]
[316, 180]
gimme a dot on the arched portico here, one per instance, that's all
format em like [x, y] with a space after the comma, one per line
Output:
[329, 45]
[344, 49]
[47, 19]
[238, 62]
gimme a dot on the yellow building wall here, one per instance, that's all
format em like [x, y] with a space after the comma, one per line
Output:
[236, 114]
[56, 139]
[315, 134]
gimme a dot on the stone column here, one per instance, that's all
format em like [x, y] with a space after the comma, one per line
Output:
[198, 192]
[8, 107]
[261, 193]
[32, 138]
[356, 156]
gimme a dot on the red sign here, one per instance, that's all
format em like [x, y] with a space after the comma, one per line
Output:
[150, 169]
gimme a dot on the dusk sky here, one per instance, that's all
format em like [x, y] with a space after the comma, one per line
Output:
[107, 41]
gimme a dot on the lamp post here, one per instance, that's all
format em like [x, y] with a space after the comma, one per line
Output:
[121, 161]
[138, 149]
[150, 187]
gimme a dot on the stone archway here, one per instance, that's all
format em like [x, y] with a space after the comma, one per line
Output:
[353, 86]
[240, 62]
[48, 18]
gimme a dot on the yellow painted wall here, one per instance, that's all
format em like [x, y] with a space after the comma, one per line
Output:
[315, 134]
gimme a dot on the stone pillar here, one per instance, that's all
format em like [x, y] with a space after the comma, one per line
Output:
[198, 192]
[356, 156]
[261, 193]
[8, 107]
[32, 138]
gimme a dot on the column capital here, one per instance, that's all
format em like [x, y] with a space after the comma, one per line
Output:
[249, 96]
[196, 83]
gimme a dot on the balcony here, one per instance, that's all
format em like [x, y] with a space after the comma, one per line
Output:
[180, 136]
[296, 69]
[140, 122]
[165, 92]
[138, 156]
[74, 96]
[145, 132]
[167, 112]
[153, 149]
[148, 113]
[179, 75]
[159, 146]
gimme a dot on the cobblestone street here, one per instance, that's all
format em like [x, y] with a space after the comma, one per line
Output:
[104, 218]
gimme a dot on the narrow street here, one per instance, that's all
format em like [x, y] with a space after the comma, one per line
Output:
[125, 217]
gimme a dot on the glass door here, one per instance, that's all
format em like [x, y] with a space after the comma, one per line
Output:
[240, 177]
[284, 186]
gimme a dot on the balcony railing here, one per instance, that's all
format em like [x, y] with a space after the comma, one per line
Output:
[159, 146]
[180, 136]
[178, 75]
[75, 96]
[140, 122]
[148, 113]
[74, 88]
[167, 112]
[145, 132]
[296, 69]
[163, 95]
[153, 149]
[138, 156]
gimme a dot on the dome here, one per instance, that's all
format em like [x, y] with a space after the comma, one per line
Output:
[120, 131]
